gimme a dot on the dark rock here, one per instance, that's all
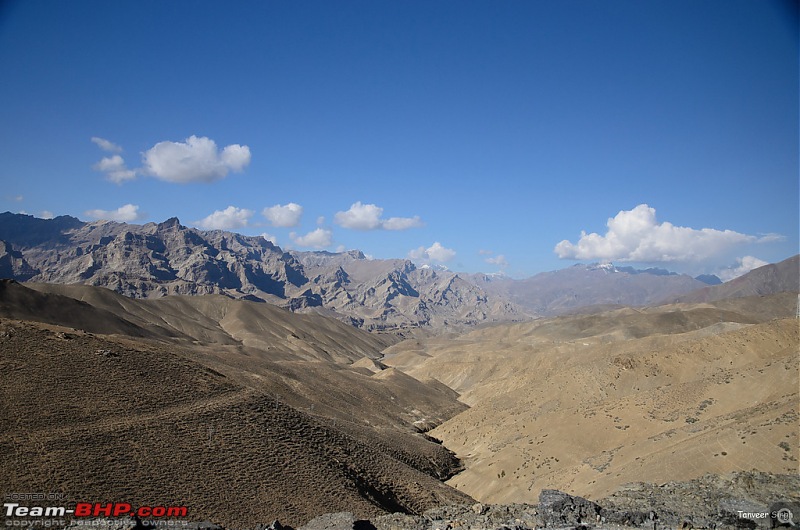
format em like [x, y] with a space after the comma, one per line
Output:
[558, 509]
[331, 521]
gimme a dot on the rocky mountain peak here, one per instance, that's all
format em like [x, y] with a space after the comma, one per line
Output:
[170, 224]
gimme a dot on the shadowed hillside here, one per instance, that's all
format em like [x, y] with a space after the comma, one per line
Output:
[109, 419]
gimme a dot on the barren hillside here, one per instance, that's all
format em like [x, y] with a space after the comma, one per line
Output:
[241, 411]
[588, 403]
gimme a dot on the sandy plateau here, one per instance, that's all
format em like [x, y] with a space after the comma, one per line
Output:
[588, 403]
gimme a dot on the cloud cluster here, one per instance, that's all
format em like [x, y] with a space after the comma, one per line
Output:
[285, 216]
[115, 169]
[499, 260]
[123, 214]
[435, 252]
[197, 159]
[743, 266]
[319, 238]
[368, 217]
[635, 235]
[227, 219]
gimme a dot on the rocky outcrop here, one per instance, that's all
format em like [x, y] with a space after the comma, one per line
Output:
[735, 509]
[13, 264]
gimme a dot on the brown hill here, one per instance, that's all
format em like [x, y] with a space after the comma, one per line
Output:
[20, 302]
[216, 319]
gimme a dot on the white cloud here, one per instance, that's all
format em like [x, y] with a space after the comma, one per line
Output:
[320, 220]
[269, 237]
[499, 260]
[286, 215]
[115, 169]
[634, 235]
[439, 253]
[105, 145]
[402, 223]
[46, 214]
[368, 217]
[123, 214]
[483, 252]
[435, 252]
[341, 248]
[743, 266]
[319, 238]
[195, 160]
[360, 217]
[227, 219]
[18, 198]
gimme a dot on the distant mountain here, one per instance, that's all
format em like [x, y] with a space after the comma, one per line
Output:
[782, 277]
[598, 284]
[710, 279]
[159, 259]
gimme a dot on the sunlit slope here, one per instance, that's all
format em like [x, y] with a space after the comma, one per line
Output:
[217, 319]
[587, 403]
[310, 361]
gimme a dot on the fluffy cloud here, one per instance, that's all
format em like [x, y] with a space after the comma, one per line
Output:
[500, 260]
[123, 214]
[743, 266]
[105, 145]
[435, 252]
[368, 217]
[635, 235]
[195, 160]
[46, 214]
[286, 216]
[360, 217]
[319, 238]
[115, 169]
[269, 237]
[227, 219]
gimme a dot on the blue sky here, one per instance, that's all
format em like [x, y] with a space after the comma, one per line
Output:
[451, 132]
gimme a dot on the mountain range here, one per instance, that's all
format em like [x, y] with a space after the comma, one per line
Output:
[383, 295]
